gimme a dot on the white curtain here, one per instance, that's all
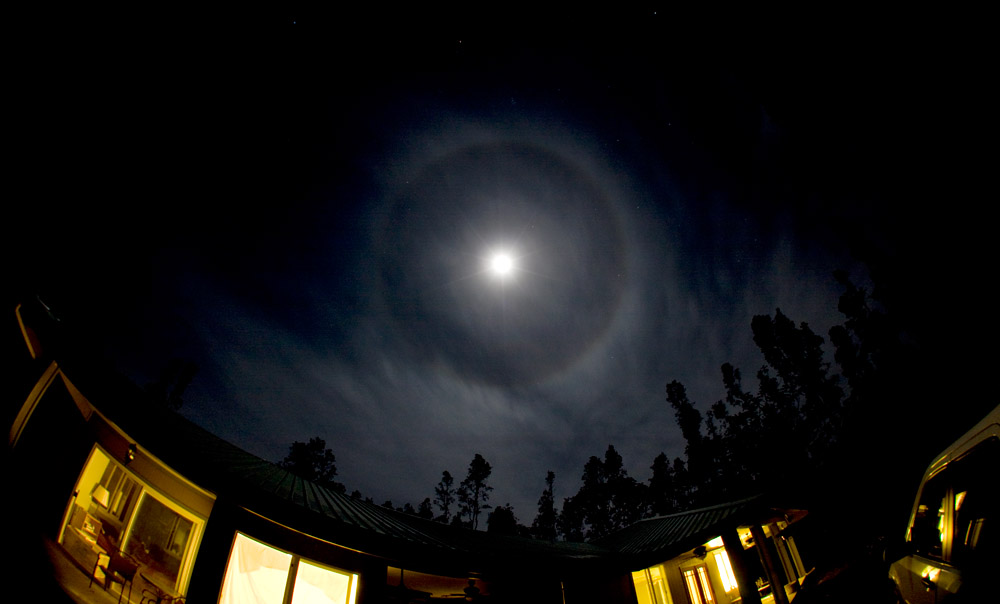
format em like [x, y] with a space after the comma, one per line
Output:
[317, 585]
[256, 574]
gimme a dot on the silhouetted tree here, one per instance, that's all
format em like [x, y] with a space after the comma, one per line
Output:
[751, 442]
[314, 462]
[445, 496]
[474, 492]
[662, 500]
[424, 510]
[544, 525]
[608, 500]
[570, 520]
[700, 465]
[502, 521]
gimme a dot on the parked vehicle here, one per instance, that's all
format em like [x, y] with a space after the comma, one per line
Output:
[951, 545]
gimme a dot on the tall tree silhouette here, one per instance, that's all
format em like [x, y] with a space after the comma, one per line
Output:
[444, 496]
[662, 498]
[750, 442]
[544, 525]
[474, 492]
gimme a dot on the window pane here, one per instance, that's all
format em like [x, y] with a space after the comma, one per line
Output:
[706, 589]
[256, 573]
[158, 539]
[725, 570]
[692, 586]
[318, 585]
[643, 590]
[927, 533]
[977, 499]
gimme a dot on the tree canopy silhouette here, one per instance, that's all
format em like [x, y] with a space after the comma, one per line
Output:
[544, 525]
[445, 496]
[313, 461]
[608, 500]
[474, 492]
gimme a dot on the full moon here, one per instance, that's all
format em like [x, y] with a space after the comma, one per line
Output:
[501, 264]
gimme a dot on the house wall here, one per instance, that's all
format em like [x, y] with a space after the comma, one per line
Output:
[229, 517]
[51, 449]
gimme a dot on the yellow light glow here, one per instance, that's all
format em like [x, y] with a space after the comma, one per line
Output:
[354, 590]
[725, 570]
[959, 500]
[714, 543]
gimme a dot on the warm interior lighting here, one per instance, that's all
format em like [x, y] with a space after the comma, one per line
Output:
[315, 584]
[101, 496]
[258, 572]
[959, 500]
[692, 587]
[746, 538]
[725, 570]
[714, 543]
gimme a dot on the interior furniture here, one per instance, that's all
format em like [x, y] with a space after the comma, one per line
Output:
[115, 566]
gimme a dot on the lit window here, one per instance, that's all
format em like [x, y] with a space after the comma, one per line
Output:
[725, 570]
[318, 585]
[698, 587]
[959, 500]
[692, 587]
[258, 573]
[703, 581]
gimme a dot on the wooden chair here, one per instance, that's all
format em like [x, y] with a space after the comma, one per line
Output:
[116, 565]
[156, 597]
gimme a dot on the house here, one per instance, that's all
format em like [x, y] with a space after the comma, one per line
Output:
[205, 521]
[738, 551]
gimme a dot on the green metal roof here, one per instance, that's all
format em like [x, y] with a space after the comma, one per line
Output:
[657, 539]
[272, 492]
[265, 488]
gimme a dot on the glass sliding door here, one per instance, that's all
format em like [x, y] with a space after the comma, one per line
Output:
[158, 538]
[113, 503]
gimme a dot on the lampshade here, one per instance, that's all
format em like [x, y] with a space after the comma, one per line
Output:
[100, 495]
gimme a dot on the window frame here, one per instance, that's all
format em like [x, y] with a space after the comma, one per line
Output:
[140, 489]
[699, 575]
[291, 577]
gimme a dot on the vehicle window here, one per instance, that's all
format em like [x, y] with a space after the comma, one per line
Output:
[958, 505]
[976, 500]
[928, 530]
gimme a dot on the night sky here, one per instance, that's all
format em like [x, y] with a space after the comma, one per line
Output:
[306, 205]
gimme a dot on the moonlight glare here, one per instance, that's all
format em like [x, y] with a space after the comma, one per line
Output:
[501, 264]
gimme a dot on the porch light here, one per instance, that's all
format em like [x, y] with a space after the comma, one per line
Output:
[130, 455]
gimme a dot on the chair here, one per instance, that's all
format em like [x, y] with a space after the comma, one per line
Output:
[159, 598]
[117, 566]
